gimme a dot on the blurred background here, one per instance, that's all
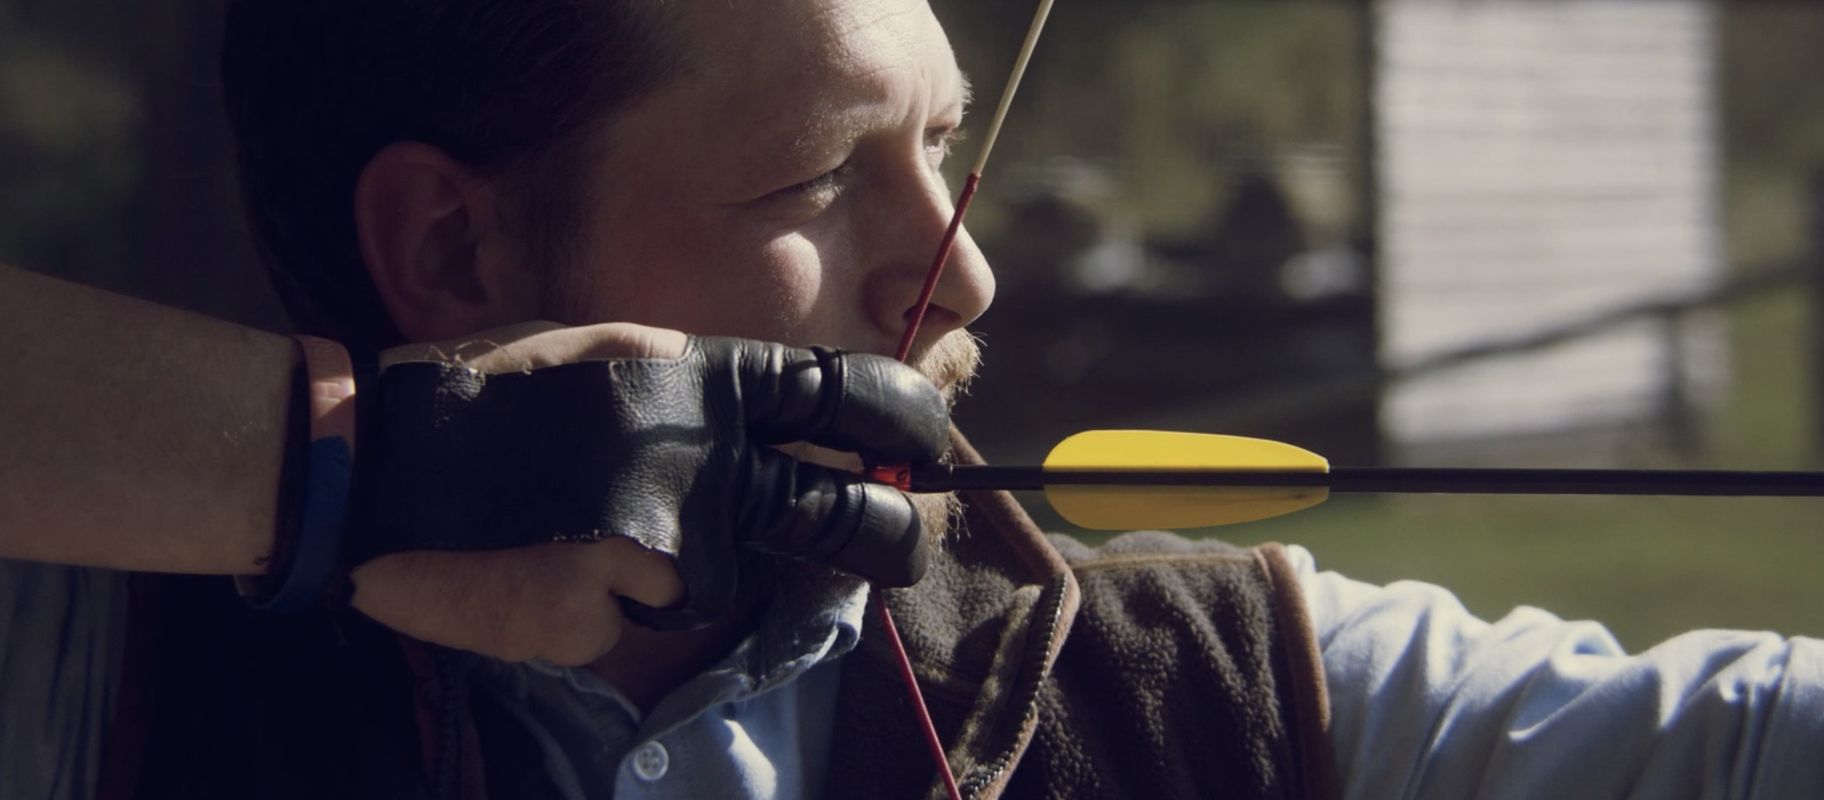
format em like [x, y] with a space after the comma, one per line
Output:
[1441, 232]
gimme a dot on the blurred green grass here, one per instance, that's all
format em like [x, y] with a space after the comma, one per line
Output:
[1649, 568]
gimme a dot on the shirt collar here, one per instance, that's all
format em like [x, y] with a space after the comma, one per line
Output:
[815, 617]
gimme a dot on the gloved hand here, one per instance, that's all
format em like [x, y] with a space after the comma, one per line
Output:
[528, 446]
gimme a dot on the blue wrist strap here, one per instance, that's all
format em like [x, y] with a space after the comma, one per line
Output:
[324, 516]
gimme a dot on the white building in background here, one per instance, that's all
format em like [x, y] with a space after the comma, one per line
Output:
[1542, 162]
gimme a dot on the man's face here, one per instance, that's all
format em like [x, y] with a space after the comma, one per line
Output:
[784, 185]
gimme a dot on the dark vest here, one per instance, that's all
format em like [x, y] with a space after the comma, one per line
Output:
[1152, 667]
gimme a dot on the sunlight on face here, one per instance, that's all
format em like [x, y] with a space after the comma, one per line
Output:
[784, 186]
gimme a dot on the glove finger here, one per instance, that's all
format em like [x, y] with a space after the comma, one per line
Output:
[856, 402]
[831, 517]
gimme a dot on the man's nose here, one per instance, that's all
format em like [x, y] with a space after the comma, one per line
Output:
[964, 290]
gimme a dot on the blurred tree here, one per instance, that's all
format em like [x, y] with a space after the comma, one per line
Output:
[1773, 125]
[115, 158]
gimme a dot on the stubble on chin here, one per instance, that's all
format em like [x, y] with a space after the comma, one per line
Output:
[941, 513]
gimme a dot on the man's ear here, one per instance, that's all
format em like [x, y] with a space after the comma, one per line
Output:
[431, 235]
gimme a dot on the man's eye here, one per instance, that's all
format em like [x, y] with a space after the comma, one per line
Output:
[820, 190]
[939, 142]
[821, 183]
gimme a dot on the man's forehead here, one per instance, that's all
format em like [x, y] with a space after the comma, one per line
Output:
[802, 31]
[800, 67]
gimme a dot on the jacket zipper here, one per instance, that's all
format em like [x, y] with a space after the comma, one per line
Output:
[1028, 691]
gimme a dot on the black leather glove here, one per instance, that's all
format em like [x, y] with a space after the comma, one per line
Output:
[671, 453]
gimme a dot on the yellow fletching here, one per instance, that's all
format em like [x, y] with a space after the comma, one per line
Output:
[1113, 450]
[1171, 507]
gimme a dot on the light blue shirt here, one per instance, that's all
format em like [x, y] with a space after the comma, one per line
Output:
[1427, 702]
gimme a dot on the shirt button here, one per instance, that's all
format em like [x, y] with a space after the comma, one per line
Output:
[651, 761]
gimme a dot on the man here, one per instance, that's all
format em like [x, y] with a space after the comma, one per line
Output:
[769, 172]
[427, 172]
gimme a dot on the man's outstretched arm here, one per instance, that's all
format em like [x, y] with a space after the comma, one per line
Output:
[144, 438]
[1430, 702]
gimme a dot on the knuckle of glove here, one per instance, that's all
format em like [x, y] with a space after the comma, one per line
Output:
[860, 402]
[867, 529]
[891, 411]
[887, 546]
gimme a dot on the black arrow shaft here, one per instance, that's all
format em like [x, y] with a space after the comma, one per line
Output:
[1395, 480]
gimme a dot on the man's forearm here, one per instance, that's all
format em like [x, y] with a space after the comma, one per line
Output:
[1428, 701]
[136, 436]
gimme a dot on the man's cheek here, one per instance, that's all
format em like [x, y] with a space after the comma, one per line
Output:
[794, 270]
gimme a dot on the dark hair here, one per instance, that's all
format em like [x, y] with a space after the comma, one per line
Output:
[314, 88]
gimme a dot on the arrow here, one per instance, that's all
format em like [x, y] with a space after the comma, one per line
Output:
[1124, 480]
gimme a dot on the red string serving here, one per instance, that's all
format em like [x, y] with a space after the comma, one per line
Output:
[926, 726]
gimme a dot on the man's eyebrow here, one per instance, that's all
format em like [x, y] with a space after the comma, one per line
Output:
[967, 86]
